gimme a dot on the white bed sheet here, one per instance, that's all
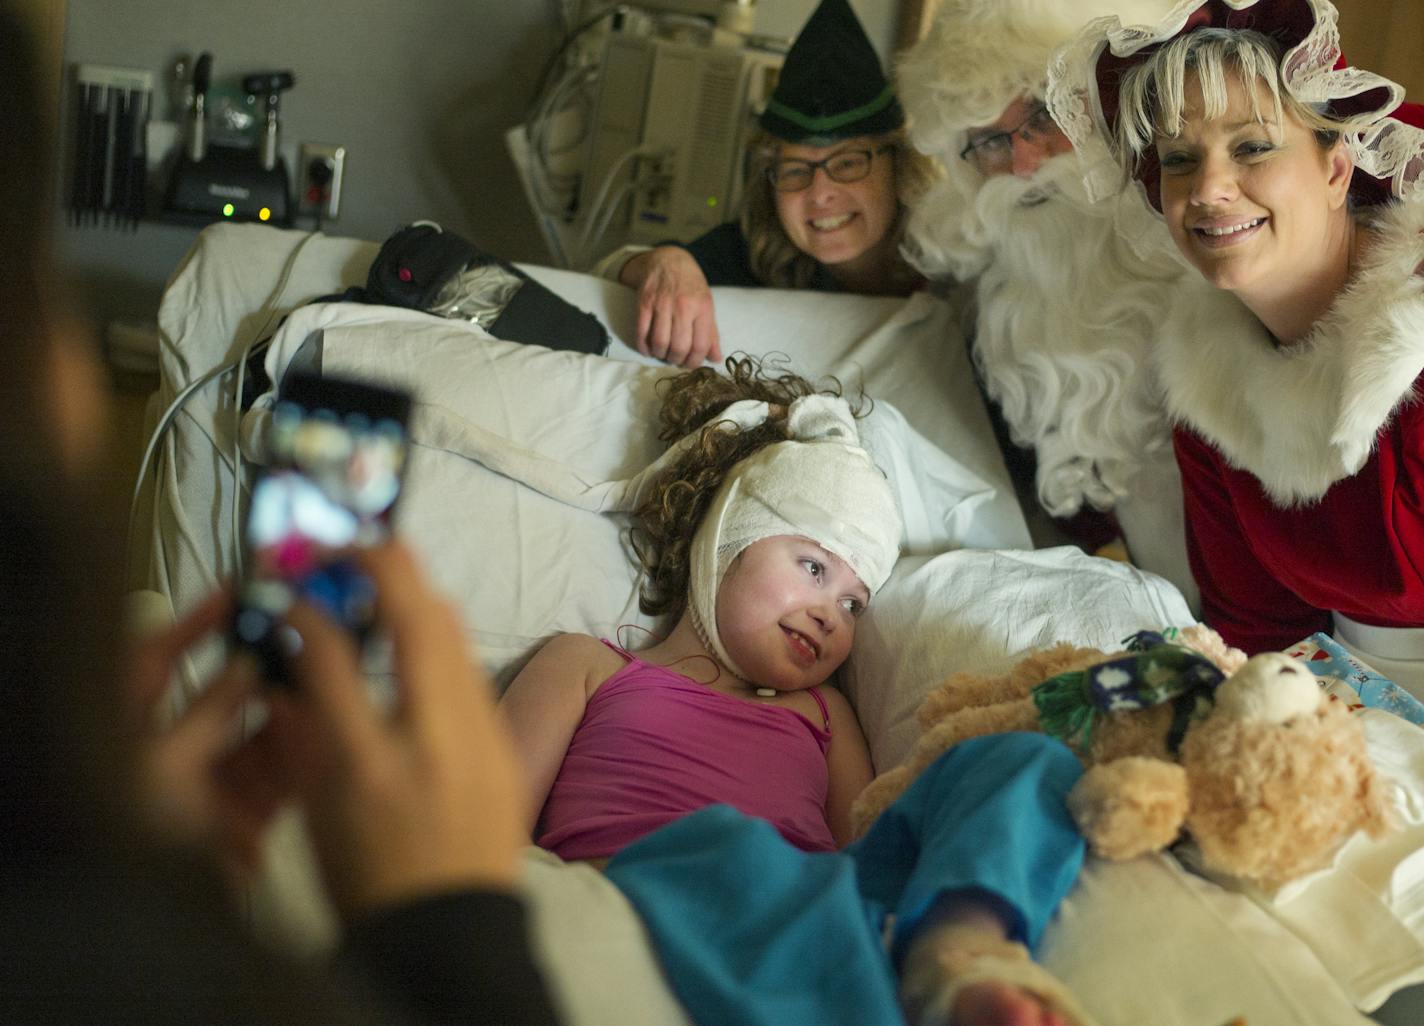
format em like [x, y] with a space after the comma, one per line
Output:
[907, 350]
[518, 584]
[489, 463]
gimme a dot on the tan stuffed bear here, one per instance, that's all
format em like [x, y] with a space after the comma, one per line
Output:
[1271, 775]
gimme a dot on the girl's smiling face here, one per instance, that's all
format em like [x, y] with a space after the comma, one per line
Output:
[786, 612]
[1250, 202]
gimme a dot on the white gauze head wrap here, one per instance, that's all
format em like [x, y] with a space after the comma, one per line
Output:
[819, 484]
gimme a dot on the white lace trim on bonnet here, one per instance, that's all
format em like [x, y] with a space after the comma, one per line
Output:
[1379, 145]
[819, 484]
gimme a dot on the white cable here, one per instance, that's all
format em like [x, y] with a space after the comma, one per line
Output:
[174, 408]
[574, 88]
[576, 84]
[169, 415]
[608, 180]
[234, 519]
[611, 176]
[273, 307]
[592, 234]
[628, 188]
[583, 99]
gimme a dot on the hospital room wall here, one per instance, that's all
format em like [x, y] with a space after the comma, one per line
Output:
[1387, 37]
[419, 93]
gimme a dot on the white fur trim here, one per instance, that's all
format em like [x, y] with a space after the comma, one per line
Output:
[977, 56]
[611, 266]
[1303, 418]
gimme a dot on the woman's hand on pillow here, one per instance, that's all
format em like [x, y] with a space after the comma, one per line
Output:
[415, 800]
[676, 321]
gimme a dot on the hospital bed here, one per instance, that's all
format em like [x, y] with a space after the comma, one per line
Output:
[1143, 942]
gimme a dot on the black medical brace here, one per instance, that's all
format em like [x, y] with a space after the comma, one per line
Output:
[423, 267]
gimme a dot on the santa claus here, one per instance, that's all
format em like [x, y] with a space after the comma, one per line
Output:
[1067, 294]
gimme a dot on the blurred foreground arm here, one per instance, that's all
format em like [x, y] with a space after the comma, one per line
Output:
[415, 812]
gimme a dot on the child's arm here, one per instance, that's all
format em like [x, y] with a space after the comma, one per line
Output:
[848, 763]
[543, 707]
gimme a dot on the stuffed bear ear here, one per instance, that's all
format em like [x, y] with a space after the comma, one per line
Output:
[1130, 806]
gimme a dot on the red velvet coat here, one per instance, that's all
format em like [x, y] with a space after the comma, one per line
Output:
[1303, 469]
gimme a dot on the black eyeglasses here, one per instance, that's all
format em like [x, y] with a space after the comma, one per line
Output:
[845, 166]
[994, 154]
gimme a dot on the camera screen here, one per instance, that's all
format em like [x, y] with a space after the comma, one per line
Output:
[332, 480]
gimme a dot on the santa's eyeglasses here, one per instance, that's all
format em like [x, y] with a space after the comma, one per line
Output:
[844, 167]
[994, 154]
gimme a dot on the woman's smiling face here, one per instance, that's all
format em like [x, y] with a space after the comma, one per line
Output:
[840, 223]
[1248, 201]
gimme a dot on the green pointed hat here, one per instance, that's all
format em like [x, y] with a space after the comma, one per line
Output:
[831, 85]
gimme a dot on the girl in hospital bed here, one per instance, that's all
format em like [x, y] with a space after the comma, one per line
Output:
[716, 770]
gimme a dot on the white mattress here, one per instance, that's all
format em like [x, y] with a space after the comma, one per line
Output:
[907, 350]
[1142, 942]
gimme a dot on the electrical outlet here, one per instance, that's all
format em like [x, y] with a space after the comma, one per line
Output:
[320, 171]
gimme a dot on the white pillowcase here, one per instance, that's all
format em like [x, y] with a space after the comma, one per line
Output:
[525, 566]
[982, 611]
[1362, 922]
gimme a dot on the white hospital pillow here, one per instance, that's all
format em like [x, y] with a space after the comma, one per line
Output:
[981, 611]
[524, 566]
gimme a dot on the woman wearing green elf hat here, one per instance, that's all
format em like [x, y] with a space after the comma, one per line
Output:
[830, 175]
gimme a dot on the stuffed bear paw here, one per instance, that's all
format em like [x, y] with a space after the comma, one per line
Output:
[1130, 806]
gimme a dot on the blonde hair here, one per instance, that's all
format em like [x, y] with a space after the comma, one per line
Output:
[774, 258]
[1152, 96]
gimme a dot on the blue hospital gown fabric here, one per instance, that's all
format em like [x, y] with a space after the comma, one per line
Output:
[753, 931]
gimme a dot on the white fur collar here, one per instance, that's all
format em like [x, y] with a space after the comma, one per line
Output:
[1303, 418]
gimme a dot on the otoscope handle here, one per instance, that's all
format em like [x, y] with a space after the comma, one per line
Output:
[197, 127]
[271, 85]
[203, 73]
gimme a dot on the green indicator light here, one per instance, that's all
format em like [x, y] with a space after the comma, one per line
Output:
[711, 201]
[227, 209]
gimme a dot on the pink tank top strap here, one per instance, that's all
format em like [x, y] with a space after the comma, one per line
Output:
[825, 713]
[617, 648]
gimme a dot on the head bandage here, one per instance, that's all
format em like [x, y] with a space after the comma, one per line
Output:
[819, 484]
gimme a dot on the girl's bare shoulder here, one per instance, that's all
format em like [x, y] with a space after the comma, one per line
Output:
[586, 654]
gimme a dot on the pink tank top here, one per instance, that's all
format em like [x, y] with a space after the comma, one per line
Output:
[654, 746]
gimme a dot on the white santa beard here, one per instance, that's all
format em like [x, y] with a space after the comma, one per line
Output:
[943, 239]
[1066, 314]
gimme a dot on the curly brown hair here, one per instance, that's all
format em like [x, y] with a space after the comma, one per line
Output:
[664, 525]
